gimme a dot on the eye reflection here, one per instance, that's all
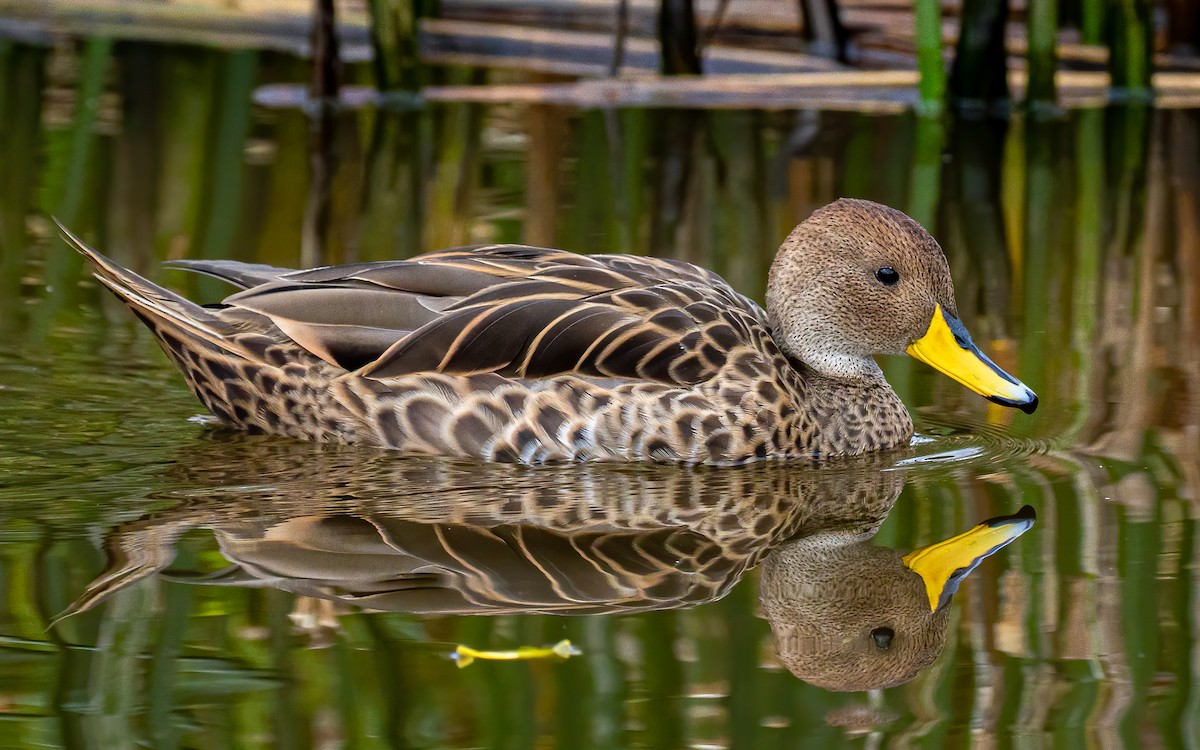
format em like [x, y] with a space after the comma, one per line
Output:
[883, 638]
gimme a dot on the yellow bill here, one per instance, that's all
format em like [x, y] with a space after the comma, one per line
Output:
[465, 655]
[947, 348]
[945, 564]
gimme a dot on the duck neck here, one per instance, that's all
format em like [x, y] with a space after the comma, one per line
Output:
[852, 406]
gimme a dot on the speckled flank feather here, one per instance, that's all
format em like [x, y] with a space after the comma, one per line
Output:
[511, 353]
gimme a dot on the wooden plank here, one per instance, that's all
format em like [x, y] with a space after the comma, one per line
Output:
[599, 15]
[280, 25]
[847, 91]
[892, 91]
[855, 91]
[449, 42]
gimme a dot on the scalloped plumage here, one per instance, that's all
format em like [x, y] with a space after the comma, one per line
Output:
[525, 354]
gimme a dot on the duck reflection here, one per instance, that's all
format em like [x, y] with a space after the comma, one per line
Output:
[430, 536]
[849, 615]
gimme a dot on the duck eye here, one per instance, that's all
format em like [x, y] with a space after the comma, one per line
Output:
[883, 638]
[887, 275]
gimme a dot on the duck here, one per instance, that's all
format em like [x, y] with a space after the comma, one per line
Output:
[532, 355]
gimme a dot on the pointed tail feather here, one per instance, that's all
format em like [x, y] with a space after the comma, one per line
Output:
[153, 303]
[242, 275]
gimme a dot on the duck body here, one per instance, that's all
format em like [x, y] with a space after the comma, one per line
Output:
[524, 354]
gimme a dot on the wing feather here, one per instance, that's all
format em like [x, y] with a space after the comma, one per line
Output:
[244, 275]
[513, 310]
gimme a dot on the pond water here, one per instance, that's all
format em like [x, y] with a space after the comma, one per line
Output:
[225, 590]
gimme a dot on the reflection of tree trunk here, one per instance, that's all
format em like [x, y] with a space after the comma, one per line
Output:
[663, 677]
[1126, 139]
[977, 154]
[788, 159]
[393, 188]
[317, 208]
[1113, 656]
[132, 208]
[1086, 283]
[457, 161]
[394, 42]
[740, 243]
[1134, 412]
[546, 128]
[1183, 398]
[1035, 264]
[675, 149]
[22, 76]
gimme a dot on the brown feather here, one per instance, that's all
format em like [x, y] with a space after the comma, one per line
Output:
[526, 354]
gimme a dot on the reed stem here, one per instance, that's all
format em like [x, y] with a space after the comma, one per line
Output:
[1042, 57]
[932, 88]
[1131, 48]
[1091, 13]
[980, 60]
[326, 62]
[394, 38]
[677, 37]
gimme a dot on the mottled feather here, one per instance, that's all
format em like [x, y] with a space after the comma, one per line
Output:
[522, 354]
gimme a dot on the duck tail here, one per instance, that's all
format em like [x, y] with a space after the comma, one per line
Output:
[163, 311]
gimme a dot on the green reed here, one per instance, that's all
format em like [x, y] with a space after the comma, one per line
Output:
[1130, 40]
[22, 78]
[932, 88]
[1042, 59]
[376, 684]
[394, 32]
[1092, 20]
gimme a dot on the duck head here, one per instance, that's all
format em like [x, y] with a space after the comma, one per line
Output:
[858, 279]
[847, 615]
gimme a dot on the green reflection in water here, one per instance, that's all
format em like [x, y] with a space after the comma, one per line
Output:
[1075, 248]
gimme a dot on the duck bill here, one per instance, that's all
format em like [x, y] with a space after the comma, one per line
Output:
[948, 348]
[943, 565]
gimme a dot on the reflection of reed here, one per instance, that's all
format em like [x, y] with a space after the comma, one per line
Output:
[546, 130]
[22, 77]
[1182, 417]
[425, 182]
[1102, 304]
[318, 205]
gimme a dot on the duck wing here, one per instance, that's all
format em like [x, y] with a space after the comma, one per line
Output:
[513, 310]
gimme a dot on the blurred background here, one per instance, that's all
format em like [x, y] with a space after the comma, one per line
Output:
[1050, 145]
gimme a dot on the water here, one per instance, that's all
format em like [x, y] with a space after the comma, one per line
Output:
[1075, 251]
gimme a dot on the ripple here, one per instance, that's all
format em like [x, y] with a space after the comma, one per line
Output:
[962, 440]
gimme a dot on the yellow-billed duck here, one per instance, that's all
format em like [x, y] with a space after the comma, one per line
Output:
[527, 354]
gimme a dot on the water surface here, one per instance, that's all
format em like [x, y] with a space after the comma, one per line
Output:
[1074, 245]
